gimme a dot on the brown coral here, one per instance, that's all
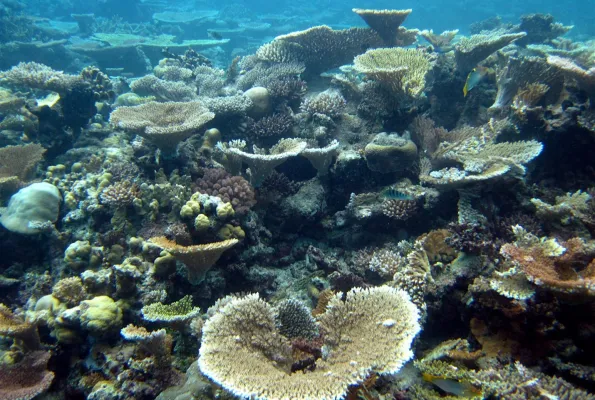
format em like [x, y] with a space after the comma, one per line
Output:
[231, 189]
[399, 209]
[571, 270]
[26, 379]
[16, 328]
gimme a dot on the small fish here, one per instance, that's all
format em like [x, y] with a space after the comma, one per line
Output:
[452, 386]
[215, 35]
[474, 78]
[394, 194]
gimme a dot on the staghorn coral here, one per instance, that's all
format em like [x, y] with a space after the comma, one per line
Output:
[384, 22]
[403, 71]
[180, 311]
[320, 48]
[228, 106]
[265, 74]
[209, 81]
[163, 90]
[231, 189]
[165, 124]
[26, 379]
[371, 331]
[472, 50]
[198, 258]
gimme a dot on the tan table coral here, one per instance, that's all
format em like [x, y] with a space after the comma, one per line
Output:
[198, 258]
[164, 124]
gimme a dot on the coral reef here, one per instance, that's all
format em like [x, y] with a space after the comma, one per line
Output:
[373, 212]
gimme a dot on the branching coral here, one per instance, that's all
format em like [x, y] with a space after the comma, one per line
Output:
[294, 320]
[371, 331]
[231, 189]
[402, 70]
[328, 103]
[165, 124]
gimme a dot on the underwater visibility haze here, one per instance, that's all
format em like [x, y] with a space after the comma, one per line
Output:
[297, 200]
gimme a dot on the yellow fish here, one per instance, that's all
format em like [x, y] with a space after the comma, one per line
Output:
[452, 386]
[473, 79]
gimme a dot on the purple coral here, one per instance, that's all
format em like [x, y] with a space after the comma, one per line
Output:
[233, 189]
[26, 379]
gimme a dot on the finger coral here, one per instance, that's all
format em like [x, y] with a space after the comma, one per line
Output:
[371, 331]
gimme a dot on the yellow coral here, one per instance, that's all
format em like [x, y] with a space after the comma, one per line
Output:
[225, 210]
[101, 315]
[202, 223]
[229, 231]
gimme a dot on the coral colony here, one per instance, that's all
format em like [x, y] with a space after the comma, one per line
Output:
[371, 212]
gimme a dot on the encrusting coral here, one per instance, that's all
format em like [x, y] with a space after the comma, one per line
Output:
[371, 331]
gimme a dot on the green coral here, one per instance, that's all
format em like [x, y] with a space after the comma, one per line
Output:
[178, 311]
